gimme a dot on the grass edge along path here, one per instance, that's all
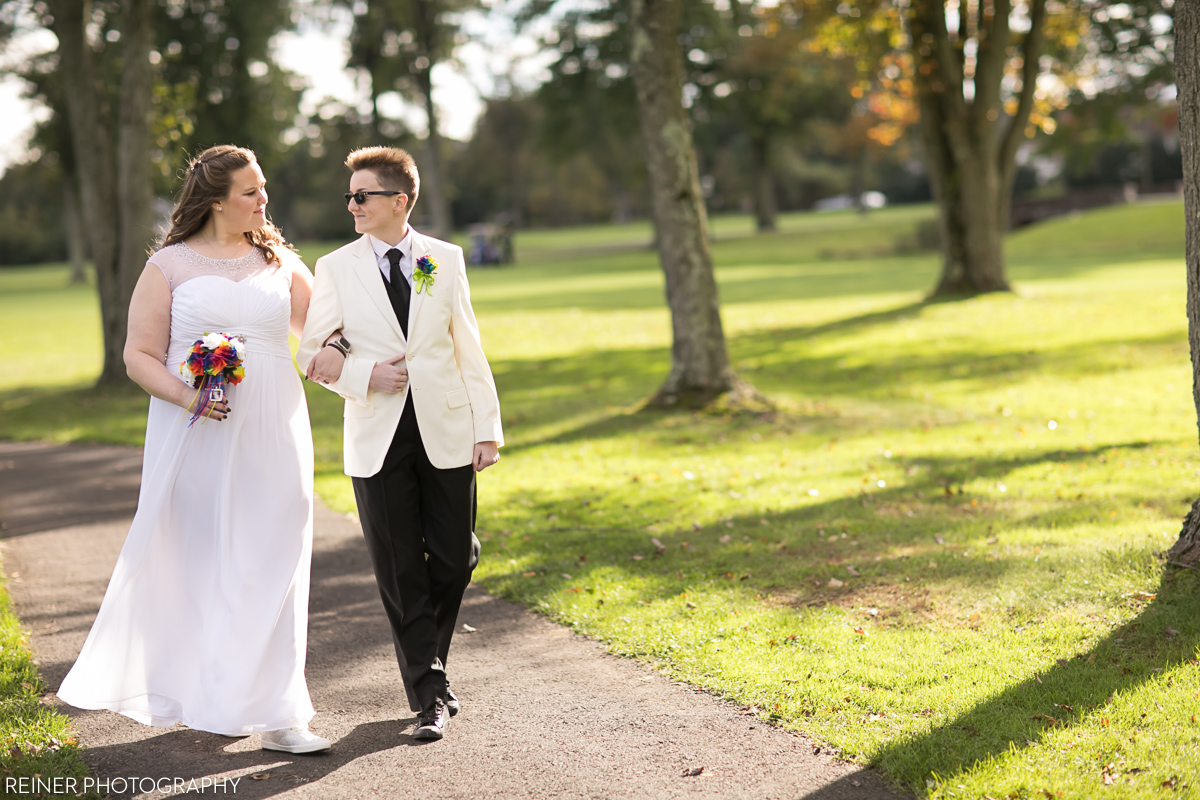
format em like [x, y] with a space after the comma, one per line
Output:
[39, 755]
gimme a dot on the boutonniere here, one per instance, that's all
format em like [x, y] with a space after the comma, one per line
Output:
[423, 274]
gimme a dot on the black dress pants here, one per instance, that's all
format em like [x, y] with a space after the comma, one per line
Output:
[418, 522]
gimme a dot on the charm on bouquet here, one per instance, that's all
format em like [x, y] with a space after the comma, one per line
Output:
[213, 363]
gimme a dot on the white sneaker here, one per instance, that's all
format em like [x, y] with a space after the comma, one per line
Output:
[294, 740]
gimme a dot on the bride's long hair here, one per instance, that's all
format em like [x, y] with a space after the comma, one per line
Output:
[209, 179]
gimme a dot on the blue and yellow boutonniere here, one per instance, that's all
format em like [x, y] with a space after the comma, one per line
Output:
[423, 274]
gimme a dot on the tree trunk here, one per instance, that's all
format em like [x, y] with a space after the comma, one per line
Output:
[764, 184]
[858, 181]
[699, 362]
[91, 139]
[115, 207]
[972, 163]
[622, 211]
[76, 246]
[433, 182]
[425, 27]
[946, 182]
[134, 188]
[1187, 77]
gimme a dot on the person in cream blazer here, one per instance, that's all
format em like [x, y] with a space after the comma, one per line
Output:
[449, 379]
[422, 415]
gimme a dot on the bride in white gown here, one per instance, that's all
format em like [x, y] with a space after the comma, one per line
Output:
[205, 618]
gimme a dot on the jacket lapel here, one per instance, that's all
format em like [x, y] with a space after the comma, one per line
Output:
[366, 267]
[420, 247]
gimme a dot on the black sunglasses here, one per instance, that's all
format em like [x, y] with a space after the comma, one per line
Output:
[361, 197]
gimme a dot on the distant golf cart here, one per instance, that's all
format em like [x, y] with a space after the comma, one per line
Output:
[490, 245]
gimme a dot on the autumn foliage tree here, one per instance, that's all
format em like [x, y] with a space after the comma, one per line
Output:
[972, 126]
[972, 69]
[775, 82]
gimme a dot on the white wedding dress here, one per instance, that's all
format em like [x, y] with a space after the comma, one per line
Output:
[205, 618]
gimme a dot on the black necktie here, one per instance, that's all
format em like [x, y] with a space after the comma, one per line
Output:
[398, 289]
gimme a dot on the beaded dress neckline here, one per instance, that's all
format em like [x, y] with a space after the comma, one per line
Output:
[180, 263]
[254, 258]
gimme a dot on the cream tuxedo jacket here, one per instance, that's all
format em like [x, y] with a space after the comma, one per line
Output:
[453, 392]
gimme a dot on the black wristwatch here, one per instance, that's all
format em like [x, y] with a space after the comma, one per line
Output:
[341, 344]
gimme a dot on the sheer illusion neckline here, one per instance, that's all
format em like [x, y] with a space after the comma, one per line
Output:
[253, 258]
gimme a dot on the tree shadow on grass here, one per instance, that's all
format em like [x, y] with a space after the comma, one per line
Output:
[789, 555]
[1077, 689]
[99, 415]
[784, 560]
[599, 389]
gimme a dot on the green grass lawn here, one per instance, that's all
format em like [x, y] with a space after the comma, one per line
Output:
[938, 556]
[35, 741]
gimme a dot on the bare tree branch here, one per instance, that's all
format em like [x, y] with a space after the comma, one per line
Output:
[990, 59]
[1031, 53]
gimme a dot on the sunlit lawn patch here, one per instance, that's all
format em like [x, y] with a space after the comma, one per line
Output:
[936, 556]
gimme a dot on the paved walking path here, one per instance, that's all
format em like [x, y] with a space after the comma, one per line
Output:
[546, 713]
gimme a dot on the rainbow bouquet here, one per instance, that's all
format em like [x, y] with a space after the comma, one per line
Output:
[213, 362]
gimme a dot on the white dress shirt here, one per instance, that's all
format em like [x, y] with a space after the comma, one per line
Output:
[406, 263]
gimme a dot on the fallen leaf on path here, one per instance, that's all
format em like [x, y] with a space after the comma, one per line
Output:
[696, 772]
[468, 629]
[260, 776]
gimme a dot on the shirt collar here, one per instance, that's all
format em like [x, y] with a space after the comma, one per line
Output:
[405, 246]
